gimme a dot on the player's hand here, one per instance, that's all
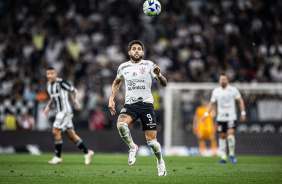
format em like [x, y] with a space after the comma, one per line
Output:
[46, 110]
[243, 118]
[156, 70]
[75, 101]
[195, 130]
[112, 107]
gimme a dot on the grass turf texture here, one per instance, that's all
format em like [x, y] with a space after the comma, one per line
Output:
[113, 168]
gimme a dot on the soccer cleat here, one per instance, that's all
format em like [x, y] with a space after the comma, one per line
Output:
[233, 160]
[161, 168]
[56, 160]
[88, 157]
[222, 161]
[132, 155]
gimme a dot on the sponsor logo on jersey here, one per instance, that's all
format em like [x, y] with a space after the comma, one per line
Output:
[124, 67]
[126, 73]
[151, 124]
[140, 99]
[123, 110]
[133, 82]
[142, 70]
[134, 74]
[135, 87]
[143, 64]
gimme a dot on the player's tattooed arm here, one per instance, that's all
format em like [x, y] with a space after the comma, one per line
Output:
[115, 88]
[162, 80]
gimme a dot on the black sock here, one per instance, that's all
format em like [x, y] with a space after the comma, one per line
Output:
[58, 148]
[81, 146]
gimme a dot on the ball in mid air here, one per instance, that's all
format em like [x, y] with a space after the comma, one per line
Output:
[152, 8]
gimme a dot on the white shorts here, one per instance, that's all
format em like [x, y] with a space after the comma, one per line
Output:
[63, 121]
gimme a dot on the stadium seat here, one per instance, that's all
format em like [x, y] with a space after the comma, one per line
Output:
[242, 128]
[268, 128]
[255, 128]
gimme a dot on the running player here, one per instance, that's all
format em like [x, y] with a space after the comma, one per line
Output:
[205, 130]
[225, 97]
[58, 90]
[137, 74]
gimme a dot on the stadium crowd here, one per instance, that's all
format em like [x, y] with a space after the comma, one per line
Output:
[85, 41]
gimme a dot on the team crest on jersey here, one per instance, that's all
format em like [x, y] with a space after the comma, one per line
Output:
[142, 70]
[123, 110]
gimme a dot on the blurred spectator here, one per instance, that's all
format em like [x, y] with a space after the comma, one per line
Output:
[26, 121]
[10, 121]
[98, 120]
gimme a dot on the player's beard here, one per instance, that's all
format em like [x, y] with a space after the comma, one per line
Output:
[223, 85]
[136, 59]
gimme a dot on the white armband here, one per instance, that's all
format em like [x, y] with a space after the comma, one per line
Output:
[206, 114]
[243, 113]
[159, 75]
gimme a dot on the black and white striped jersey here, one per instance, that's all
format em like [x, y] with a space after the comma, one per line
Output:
[58, 92]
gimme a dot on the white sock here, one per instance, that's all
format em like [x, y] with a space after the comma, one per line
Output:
[222, 147]
[156, 148]
[231, 144]
[124, 132]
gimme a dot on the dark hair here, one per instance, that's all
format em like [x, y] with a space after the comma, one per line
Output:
[50, 68]
[135, 42]
[223, 74]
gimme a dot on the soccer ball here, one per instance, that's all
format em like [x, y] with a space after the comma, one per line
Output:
[152, 8]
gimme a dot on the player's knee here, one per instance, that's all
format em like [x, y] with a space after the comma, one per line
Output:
[122, 126]
[56, 131]
[154, 144]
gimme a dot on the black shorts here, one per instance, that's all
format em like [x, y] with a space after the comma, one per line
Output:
[222, 126]
[144, 111]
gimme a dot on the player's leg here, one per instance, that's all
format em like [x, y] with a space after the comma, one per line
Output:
[222, 147]
[231, 145]
[57, 132]
[122, 125]
[80, 144]
[213, 145]
[149, 125]
[221, 129]
[58, 146]
[151, 137]
[202, 146]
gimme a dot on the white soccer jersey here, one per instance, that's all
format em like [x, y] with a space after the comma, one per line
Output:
[226, 102]
[58, 92]
[138, 81]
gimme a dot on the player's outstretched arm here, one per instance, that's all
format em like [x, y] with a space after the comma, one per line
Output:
[75, 101]
[47, 108]
[210, 108]
[115, 88]
[242, 109]
[162, 80]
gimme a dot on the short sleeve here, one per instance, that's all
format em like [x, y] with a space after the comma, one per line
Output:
[119, 73]
[65, 85]
[151, 65]
[237, 94]
[213, 97]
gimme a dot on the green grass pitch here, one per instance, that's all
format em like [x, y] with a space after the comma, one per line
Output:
[113, 168]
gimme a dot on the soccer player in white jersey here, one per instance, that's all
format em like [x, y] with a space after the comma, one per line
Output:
[225, 97]
[58, 90]
[137, 74]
